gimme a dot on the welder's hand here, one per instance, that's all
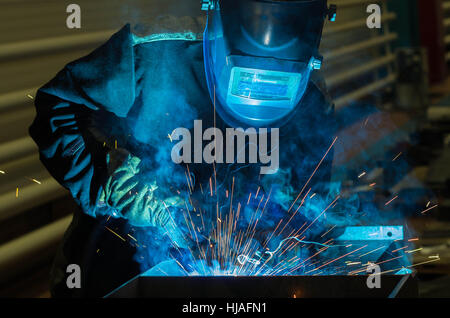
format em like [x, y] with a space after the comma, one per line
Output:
[129, 197]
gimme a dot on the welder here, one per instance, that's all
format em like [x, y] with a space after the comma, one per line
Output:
[103, 126]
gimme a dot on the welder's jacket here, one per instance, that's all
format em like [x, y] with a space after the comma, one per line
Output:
[134, 92]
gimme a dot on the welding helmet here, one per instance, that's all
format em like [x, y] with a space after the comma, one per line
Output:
[259, 55]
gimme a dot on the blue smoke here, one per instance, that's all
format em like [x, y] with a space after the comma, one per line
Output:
[236, 219]
[361, 187]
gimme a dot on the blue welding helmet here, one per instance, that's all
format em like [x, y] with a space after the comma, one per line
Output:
[259, 55]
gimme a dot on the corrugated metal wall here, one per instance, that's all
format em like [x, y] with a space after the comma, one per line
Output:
[358, 60]
[35, 43]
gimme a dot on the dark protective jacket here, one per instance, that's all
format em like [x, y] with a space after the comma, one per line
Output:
[133, 92]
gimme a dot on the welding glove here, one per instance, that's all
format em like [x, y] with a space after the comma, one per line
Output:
[129, 197]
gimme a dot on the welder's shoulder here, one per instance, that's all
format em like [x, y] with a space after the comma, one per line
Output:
[169, 28]
[315, 112]
[317, 100]
[168, 46]
[318, 90]
[104, 79]
[176, 42]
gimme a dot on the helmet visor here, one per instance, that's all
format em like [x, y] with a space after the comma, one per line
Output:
[258, 57]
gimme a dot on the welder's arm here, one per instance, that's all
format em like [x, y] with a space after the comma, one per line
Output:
[68, 150]
[101, 83]
[79, 162]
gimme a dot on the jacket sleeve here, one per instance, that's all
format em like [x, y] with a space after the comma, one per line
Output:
[101, 81]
